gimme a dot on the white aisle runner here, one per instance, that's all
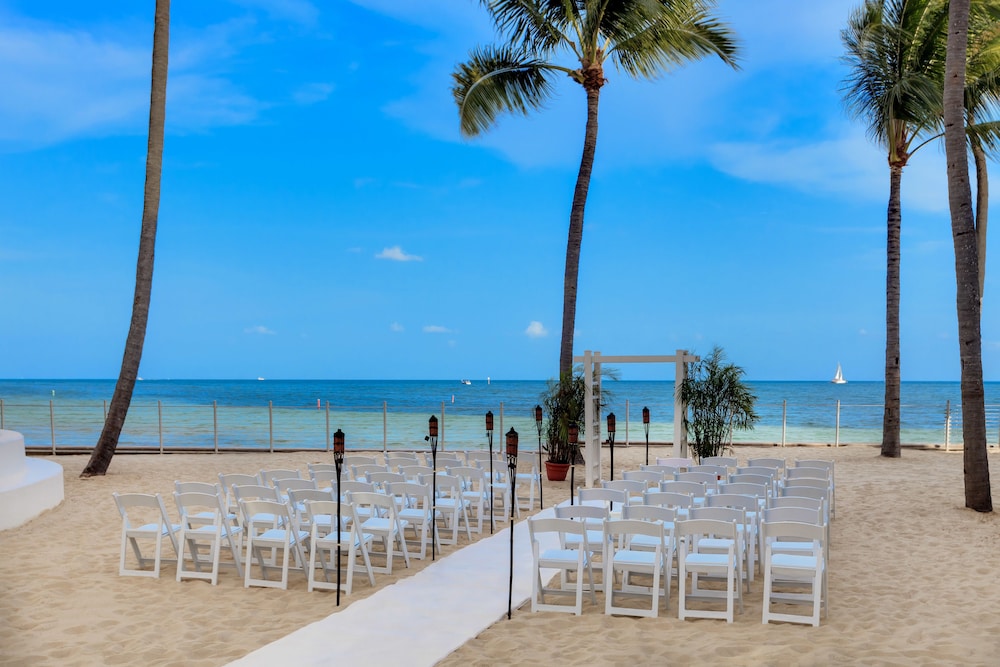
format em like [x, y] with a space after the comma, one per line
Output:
[420, 619]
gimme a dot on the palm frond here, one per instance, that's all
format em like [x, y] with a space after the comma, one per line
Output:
[538, 26]
[648, 42]
[496, 80]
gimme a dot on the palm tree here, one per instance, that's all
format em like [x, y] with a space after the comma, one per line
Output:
[104, 450]
[642, 38]
[977, 474]
[895, 49]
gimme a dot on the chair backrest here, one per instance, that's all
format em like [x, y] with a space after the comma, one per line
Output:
[192, 503]
[650, 513]
[632, 487]
[588, 513]
[668, 472]
[417, 496]
[358, 460]
[797, 501]
[196, 487]
[269, 476]
[746, 503]
[147, 509]
[447, 485]
[778, 464]
[354, 486]
[287, 484]
[473, 477]
[747, 478]
[564, 527]
[719, 514]
[803, 472]
[815, 463]
[727, 461]
[229, 480]
[606, 498]
[480, 455]
[326, 479]
[745, 489]
[710, 480]
[256, 492]
[413, 473]
[375, 504]
[669, 499]
[621, 531]
[807, 481]
[719, 472]
[797, 514]
[651, 478]
[696, 489]
[299, 497]
[675, 462]
[766, 471]
[321, 467]
[807, 492]
[360, 472]
[382, 479]
[777, 530]
[257, 508]
[692, 530]
[396, 460]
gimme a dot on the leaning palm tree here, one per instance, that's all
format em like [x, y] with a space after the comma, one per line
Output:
[642, 38]
[977, 474]
[895, 49]
[104, 450]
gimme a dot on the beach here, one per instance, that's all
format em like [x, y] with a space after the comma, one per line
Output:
[913, 580]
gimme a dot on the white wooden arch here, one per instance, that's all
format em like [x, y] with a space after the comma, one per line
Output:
[592, 368]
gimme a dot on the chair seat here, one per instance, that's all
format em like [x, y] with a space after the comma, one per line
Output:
[559, 557]
[645, 559]
[783, 562]
[700, 559]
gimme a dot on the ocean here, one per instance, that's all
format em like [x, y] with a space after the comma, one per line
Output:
[393, 414]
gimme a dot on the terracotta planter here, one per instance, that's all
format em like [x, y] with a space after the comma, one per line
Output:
[556, 472]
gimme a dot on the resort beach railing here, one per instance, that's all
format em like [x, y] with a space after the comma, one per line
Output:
[61, 427]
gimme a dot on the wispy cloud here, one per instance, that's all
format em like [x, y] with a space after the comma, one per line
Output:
[396, 326]
[311, 93]
[396, 254]
[259, 329]
[536, 330]
[296, 11]
[436, 329]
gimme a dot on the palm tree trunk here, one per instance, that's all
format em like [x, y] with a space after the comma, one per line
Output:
[982, 210]
[104, 450]
[963, 229]
[890, 416]
[593, 81]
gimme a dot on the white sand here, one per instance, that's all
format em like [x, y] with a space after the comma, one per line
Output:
[913, 580]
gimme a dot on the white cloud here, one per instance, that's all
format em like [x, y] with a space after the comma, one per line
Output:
[296, 11]
[434, 328]
[847, 165]
[396, 254]
[396, 326]
[536, 330]
[311, 93]
[259, 329]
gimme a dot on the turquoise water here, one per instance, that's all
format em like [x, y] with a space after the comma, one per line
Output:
[394, 413]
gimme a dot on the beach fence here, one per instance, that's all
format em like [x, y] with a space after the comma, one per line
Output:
[61, 427]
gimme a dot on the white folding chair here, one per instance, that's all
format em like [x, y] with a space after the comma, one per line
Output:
[281, 534]
[623, 555]
[375, 515]
[829, 466]
[560, 557]
[766, 462]
[417, 511]
[728, 515]
[268, 477]
[452, 509]
[633, 488]
[195, 533]
[696, 561]
[475, 490]
[324, 538]
[782, 567]
[144, 517]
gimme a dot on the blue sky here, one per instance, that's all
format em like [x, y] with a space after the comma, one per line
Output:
[321, 217]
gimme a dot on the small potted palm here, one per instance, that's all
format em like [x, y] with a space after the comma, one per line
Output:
[564, 403]
[718, 402]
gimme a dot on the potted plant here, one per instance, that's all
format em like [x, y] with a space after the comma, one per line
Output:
[564, 403]
[717, 403]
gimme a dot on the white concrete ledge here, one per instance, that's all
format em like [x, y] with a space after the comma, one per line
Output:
[28, 487]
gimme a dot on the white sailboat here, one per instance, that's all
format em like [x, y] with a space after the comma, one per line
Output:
[838, 377]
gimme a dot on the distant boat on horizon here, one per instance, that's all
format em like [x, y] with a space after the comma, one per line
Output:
[466, 381]
[838, 377]
[259, 379]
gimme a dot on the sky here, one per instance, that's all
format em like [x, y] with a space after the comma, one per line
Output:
[321, 216]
